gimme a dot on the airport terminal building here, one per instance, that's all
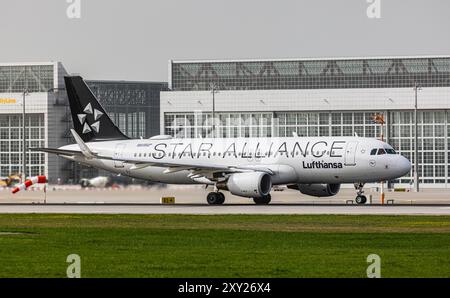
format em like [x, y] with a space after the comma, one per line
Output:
[44, 110]
[318, 97]
[134, 106]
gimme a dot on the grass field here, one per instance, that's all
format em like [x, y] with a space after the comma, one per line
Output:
[224, 245]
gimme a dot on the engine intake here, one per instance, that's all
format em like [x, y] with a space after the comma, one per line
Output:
[251, 185]
[317, 190]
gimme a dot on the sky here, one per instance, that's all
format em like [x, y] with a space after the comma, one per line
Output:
[135, 39]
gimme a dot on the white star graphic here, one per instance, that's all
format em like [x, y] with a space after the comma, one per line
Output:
[88, 109]
[82, 118]
[97, 114]
[86, 128]
[96, 126]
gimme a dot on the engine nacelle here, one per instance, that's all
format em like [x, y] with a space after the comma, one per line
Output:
[251, 185]
[318, 190]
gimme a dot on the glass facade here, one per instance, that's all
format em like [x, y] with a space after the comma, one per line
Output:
[11, 144]
[228, 125]
[133, 106]
[313, 124]
[433, 137]
[276, 124]
[311, 74]
[433, 131]
[34, 78]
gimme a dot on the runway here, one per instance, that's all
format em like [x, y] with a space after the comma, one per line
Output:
[224, 209]
[191, 200]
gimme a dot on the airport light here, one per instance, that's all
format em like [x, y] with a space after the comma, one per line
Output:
[379, 119]
[214, 90]
[24, 146]
[416, 142]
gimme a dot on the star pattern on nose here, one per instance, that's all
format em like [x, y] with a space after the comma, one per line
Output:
[84, 118]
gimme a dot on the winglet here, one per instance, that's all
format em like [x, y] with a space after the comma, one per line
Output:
[84, 148]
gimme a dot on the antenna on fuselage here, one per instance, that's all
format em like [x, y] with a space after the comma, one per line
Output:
[294, 134]
[356, 135]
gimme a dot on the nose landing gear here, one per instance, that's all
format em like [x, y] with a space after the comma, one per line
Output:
[360, 197]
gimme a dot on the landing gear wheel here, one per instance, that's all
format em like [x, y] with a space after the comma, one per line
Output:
[361, 199]
[222, 197]
[263, 200]
[215, 198]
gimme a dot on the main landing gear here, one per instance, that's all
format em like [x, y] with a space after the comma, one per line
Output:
[360, 197]
[215, 198]
[263, 200]
[218, 198]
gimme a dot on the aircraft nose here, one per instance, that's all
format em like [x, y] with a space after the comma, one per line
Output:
[404, 165]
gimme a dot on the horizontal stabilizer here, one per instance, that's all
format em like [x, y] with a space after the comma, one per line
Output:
[84, 148]
[57, 151]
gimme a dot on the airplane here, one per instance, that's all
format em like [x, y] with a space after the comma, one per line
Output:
[246, 167]
[100, 181]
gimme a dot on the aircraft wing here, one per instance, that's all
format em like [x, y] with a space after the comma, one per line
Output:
[172, 166]
[190, 165]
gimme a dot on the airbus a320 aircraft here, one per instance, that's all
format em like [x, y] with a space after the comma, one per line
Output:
[246, 167]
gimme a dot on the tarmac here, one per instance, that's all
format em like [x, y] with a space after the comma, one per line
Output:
[225, 209]
[192, 200]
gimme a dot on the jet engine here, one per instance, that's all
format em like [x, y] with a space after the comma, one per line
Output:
[317, 190]
[251, 184]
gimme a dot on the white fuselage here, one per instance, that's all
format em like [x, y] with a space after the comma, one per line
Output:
[300, 160]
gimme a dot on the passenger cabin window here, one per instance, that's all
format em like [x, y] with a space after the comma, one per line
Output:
[373, 152]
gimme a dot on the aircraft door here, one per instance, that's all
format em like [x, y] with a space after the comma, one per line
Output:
[350, 153]
[118, 153]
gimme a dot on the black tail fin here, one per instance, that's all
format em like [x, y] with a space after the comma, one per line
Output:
[89, 118]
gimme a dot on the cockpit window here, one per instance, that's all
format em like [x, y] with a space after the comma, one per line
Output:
[381, 151]
[390, 151]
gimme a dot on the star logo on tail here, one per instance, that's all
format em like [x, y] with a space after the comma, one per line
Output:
[83, 118]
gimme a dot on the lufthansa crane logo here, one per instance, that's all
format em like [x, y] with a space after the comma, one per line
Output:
[88, 127]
